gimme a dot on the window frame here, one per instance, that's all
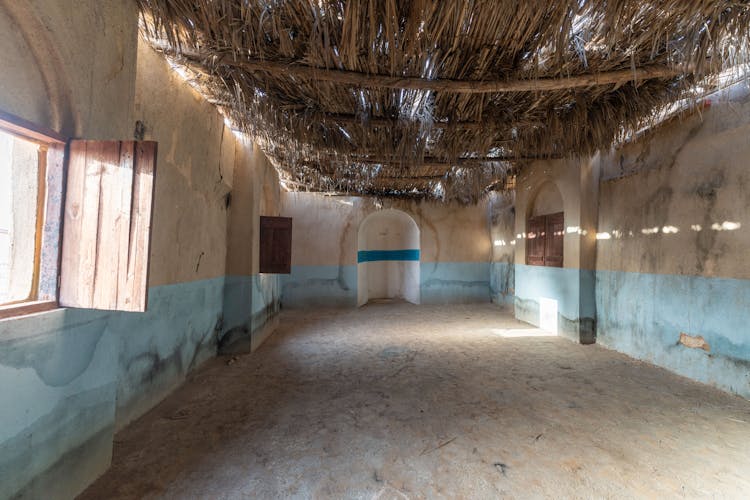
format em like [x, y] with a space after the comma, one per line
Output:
[48, 140]
[543, 236]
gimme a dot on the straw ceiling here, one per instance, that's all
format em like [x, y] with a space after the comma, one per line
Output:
[441, 98]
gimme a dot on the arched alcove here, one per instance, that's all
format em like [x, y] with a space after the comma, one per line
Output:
[545, 227]
[388, 257]
[547, 200]
[36, 81]
[545, 237]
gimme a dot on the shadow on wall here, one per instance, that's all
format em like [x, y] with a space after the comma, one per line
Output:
[388, 257]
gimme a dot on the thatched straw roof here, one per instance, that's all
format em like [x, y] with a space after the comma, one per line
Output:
[442, 98]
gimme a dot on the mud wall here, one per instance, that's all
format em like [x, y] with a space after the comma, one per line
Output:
[251, 299]
[455, 249]
[561, 298]
[674, 224]
[502, 219]
[69, 378]
[388, 257]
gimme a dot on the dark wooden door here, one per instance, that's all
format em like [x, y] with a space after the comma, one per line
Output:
[535, 236]
[545, 236]
[554, 239]
[275, 245]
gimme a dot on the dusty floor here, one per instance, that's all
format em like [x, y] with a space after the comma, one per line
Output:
[402, 401]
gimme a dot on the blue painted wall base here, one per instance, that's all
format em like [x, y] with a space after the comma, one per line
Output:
[454, 282]
[251, 304]
[502, 283]
[320, 286]
[572, 291]
[70, 378]
[642, 315]
[336, 286]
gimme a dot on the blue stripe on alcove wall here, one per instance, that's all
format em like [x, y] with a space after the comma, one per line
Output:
[378, 255]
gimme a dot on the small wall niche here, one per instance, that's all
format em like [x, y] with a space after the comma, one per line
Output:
[388, 257]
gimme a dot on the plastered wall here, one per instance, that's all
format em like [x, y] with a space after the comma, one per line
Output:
[656, 245]
[674, 223]
[455, 249]
[502, 218]
[69, 378]
[567, 293]
[251, 299]
[57, 74]
[388, 257]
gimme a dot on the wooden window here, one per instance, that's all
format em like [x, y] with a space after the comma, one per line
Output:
[545, 235]
[554, 240]
[107, 225]
[535, 241]
[276, 245]
[31, 170]
[102, 262]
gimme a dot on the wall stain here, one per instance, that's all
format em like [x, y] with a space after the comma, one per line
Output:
[234, 341]
[582, 330]
[423, 221]
[88, 414]
[59, 358]
[436, 282]
[148, 366]
[342, 252]
[705, 239]
[656, 214]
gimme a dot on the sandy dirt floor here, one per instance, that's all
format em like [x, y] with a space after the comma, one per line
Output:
[402, 401]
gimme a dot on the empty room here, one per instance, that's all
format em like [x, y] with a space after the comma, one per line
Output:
[378, 249]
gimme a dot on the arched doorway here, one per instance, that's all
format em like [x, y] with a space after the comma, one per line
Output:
[545, 242]
[388, 257]
[545, 228]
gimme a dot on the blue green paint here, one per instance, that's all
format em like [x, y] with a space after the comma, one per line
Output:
[572, 289]
[454, 282]
[387, 255]
[336, 286]
[70, 377]
[502, 283]
[320, 286]
[642, 315]
[249, 303]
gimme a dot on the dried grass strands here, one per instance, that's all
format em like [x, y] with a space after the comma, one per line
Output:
[367, 80]
[315, 125]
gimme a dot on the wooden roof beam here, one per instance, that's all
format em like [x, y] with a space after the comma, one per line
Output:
[359, 79]
[430, 161]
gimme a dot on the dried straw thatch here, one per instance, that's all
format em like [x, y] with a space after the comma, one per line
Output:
[442, 98]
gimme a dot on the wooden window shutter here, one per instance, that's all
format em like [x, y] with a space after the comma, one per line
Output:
[275, 245]
[545, 237]
[535, 235]
[107, 225]
[554, 240]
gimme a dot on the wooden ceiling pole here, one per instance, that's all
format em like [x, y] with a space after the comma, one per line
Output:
[430, 161]
[358, 79]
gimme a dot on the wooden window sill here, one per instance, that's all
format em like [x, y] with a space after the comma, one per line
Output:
[26, 308]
